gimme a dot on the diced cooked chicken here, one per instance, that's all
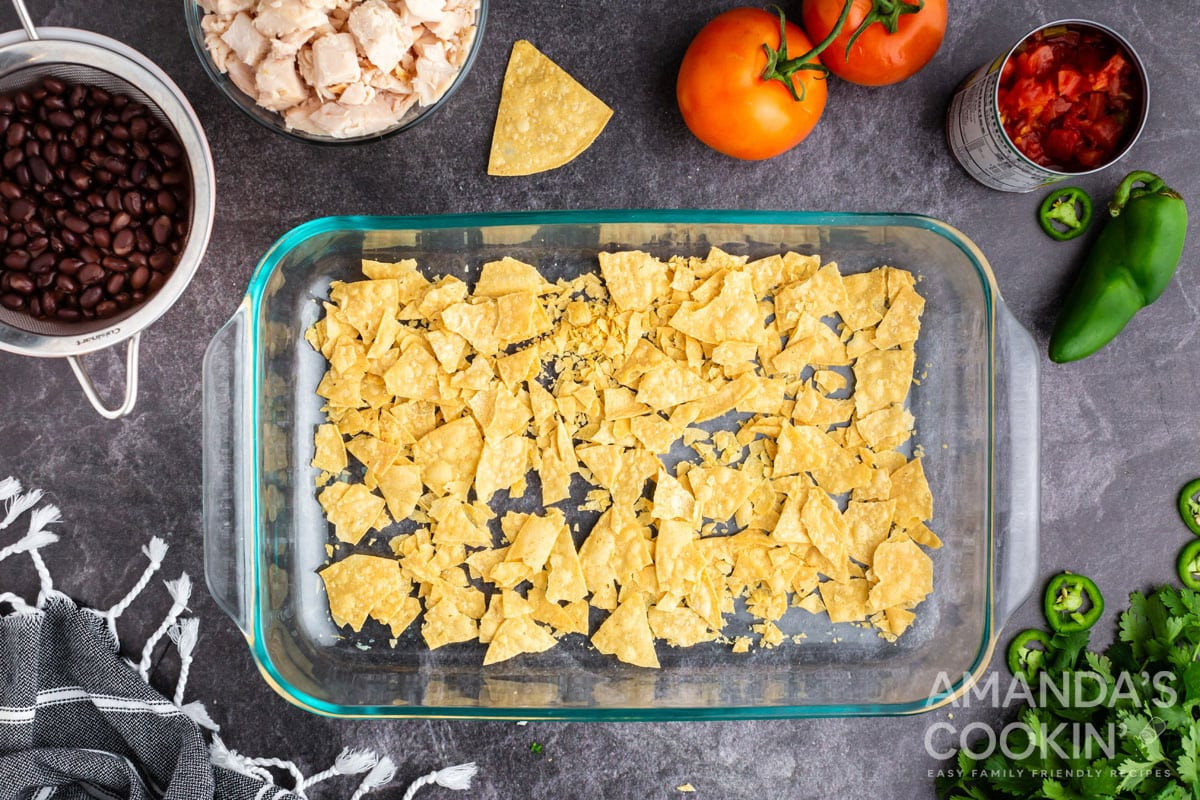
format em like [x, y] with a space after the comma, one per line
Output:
[220, 52]
[279, 84]
[281, 17]
[434, 73]
[450, 23]
[357, 94]
[380, 34]
[340, 68]
[242, 77]
[288, 46]
[425, 10]
[335, 60]
[245, 40]
[226, 6]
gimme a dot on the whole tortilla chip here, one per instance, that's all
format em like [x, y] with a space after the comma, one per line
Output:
[546, 117]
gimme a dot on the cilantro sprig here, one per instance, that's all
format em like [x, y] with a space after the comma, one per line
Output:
[1140, 697]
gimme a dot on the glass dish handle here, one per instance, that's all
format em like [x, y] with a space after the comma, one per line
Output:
[227, 530]
[1016, 509]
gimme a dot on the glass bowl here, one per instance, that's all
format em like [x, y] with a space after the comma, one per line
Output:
[193, 14]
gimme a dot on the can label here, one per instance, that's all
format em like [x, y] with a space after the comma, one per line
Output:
[978, 142]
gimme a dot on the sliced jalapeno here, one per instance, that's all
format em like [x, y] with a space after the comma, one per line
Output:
[1189, 506]
[1065, 213]
[1064, 603]
[1025, 660]
[1188, 565]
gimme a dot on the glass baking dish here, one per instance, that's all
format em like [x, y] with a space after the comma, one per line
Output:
[976, 407]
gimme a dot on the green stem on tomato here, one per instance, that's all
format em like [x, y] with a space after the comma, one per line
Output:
[781, 68]
[886, 13]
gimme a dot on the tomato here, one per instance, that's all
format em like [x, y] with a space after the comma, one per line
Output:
[726, 102]
[877, 57]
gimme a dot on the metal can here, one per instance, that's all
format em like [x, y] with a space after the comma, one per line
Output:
[976, 135]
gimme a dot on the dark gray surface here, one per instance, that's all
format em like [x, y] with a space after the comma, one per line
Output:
[1119, 432]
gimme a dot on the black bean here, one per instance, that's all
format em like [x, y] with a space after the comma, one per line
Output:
[132, 202]
[90, 273]
[69, 266]
[66, 284]
[41, 171]
[20, 282]
[15, 135]
[22, 209]
[144, 242]
[139, 277]
[12, 301]
[44, 280]
[89, 254]
[161, 260]
[76, 225]
[23, 175]
[106, 308]
[12, 158]
[61, 119]
[9, 190]
[42, 132]
[161, 229]
[49, 302]
[114, 264]
[53, 85]
[90, 296]
[120, 221]
[114, 284]
[102, 238]
[124, 242]
[17, 260]
[6, 105]
[38, 246]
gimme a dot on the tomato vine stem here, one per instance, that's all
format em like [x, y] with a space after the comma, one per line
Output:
[887, 13]
[781, 68]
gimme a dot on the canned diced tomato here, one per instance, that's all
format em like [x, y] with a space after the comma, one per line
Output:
[1068, 100]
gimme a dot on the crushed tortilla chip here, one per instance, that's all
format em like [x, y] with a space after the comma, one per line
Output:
[450, 397]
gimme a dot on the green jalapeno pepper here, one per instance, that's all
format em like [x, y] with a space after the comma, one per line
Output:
[1058, 209]
[1188, 565]
[1063, 603]
[1189, 505]
[1025, 660]
[1127, 268]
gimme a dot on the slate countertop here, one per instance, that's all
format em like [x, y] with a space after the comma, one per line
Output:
[1119, 432]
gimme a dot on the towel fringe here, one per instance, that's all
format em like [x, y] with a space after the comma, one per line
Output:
[180, 590]
[155, 552]
[184, 634]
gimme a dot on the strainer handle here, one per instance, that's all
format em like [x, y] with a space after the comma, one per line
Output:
[26, 20]
[131, 369]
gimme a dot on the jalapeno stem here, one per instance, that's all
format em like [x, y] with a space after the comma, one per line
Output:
[1151, 184]
[781, 68]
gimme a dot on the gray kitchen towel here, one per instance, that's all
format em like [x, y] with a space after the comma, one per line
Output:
[77, 720]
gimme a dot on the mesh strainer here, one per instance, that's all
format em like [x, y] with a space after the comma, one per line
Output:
[78, 56]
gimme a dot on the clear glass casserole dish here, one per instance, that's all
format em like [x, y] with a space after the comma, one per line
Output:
[976, 409]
